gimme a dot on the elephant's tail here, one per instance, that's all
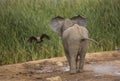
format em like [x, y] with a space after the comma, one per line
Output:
[92, 40]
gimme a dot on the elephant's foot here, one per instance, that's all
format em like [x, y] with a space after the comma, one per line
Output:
[80, 71]
[73, 71]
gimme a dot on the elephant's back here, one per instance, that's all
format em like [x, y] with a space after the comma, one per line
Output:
[75, 32]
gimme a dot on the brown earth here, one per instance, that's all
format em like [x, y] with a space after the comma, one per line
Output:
[100, 66]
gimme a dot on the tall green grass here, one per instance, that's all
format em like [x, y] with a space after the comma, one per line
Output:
[20, 19]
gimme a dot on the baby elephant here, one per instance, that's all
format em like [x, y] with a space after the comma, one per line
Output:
[75, 39]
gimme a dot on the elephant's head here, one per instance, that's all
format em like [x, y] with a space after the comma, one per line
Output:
[59, 24]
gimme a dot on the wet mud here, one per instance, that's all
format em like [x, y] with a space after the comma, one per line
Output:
[57, 69]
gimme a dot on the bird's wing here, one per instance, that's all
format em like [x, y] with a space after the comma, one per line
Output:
[44, 36]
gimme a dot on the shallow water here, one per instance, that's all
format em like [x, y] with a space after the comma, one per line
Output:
[108, 67]
[105, 68]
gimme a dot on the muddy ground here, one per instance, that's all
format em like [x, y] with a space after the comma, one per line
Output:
[100, 66]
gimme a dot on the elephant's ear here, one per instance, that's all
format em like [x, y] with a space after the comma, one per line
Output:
[81, 21]
[56, 24]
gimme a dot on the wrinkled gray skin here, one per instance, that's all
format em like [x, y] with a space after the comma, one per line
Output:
[74, 38]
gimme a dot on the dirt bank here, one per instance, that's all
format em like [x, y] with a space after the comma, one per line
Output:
[100, 66]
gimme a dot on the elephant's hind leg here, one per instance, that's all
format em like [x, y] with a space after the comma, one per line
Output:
[65, 45]
[82, 54]
[81, 63]
[73, 60]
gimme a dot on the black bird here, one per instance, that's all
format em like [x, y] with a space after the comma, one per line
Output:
[38, 39]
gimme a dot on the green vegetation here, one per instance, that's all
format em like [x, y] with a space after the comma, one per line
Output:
[20, 19]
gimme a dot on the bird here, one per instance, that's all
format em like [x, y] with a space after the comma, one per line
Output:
[38, 39]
